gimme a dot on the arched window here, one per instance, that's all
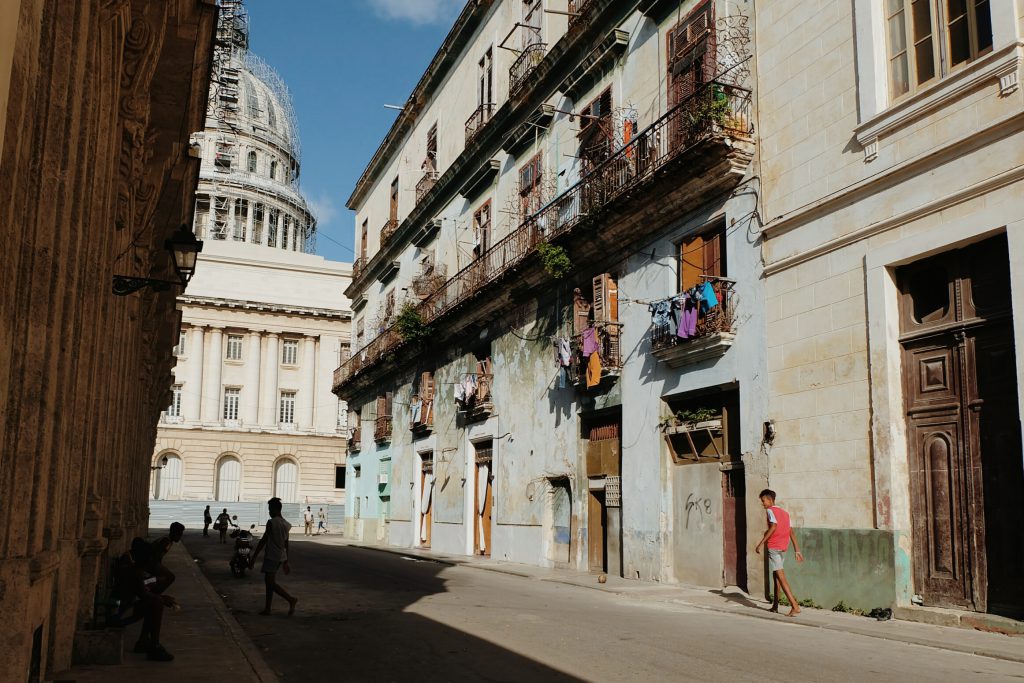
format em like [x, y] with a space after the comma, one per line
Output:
[229, 478]
[271, 114]
[273, 170]
[167, 478]
[252, 162]
[286, 479]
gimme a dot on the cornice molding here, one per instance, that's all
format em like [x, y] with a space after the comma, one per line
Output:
[263, 307]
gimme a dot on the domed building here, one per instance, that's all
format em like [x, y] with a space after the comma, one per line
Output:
[251, 414]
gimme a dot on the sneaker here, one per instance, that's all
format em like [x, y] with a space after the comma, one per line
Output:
[157, 653]
[142, 646]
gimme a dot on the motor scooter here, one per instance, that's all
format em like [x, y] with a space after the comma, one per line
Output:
[243, 550]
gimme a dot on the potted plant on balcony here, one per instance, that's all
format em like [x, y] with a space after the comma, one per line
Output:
[697, 419]
[410, 325]
[554, 259]
[694, 435]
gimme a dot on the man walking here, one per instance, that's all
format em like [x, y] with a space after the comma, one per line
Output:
[778, 536]
[223, 522]
[322, 524]
[307, 517]
[207, 521]
[275, 540]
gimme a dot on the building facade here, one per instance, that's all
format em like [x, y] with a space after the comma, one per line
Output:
[558, 317]
[264, 322]
[96, 104]
[895, 292]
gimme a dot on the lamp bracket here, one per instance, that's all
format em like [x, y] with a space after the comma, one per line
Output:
[124, 285]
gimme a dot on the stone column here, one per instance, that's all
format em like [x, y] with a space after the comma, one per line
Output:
[211, 383]
[251, 389]
[268, 402]
[306, 398]
[192, 391]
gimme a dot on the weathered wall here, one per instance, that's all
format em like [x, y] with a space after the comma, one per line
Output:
[94, 176]
[853, 566]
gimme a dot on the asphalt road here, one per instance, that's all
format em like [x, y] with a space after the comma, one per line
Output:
[366, 615]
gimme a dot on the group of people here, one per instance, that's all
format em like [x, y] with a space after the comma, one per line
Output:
[307, 518]
[140, 578]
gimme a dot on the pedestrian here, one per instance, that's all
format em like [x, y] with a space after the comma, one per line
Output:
[159, 548]
[275, 540]
[222, 524]
[133, 589]
[322, 524]
[207, 521]
[777, 537]
[307, 517]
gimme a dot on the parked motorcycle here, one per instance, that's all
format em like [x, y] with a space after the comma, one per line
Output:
[244, 545]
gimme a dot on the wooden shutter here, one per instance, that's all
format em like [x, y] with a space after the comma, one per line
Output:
[606, 298]
[381, 407]
[714, 253]
[691, 53]
[581, 312]
[387, 403]
[427, 386]
[691, 262]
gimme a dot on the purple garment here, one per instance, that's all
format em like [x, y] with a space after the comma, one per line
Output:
[589, 342]
[688, 319]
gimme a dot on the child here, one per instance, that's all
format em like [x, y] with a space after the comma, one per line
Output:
[275, 538]
[778, 536]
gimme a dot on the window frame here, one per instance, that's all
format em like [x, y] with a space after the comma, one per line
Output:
[174, 409]
[482, 232]
[529, 198]
[286, 402]
[290, 344]
[702, 238]
[180, 348]
[234, 342]
[340, 469]
[231, 406]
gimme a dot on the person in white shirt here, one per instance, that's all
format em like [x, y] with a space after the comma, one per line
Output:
[275, 540]
[307, 517]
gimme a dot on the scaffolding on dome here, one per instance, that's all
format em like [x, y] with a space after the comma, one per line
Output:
[266, 73]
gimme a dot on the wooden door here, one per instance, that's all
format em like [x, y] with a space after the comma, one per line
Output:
[484, 505]
[426, 505]
[597, 545]
[734, 529]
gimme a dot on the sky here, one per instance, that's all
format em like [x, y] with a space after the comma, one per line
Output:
[343, 60]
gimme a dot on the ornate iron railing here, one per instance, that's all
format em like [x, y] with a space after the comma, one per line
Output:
[607, 336]
[390, 225]
[475, 123]
[578, 12]
[716, 109]
[425, 184]
[709, 320]
[525, 63]
[382, 428]
[355, 443]
[358, 266]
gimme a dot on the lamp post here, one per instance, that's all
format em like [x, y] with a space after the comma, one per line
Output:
[184, 247]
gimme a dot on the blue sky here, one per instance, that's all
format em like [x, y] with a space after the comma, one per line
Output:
[343, 60]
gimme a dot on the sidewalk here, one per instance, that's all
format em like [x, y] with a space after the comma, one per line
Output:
[207, 643]
[734, 601]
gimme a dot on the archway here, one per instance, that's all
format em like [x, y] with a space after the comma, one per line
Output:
[286, 480]
[229, 478]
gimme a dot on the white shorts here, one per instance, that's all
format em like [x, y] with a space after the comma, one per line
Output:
[775, 559]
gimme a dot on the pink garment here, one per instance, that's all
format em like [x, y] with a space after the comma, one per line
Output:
[780, 539]
[589, 342]
[688, 319]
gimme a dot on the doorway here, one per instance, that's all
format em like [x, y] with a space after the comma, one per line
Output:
[597, 531]
[426, 497]
[561, 521]
[484, 498]
[734, 529]
[963, 429]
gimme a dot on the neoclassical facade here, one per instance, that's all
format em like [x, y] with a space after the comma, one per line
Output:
[251, 412]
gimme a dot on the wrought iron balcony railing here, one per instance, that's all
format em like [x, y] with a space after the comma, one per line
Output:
[388, 230]
[422, 418]
[716, 109]
[382, 428]
[578, 10]
[355, 442]
[358, 266]
[475, 123]
[425, 184]
[706, 321]
[607, 336]
[519, 72]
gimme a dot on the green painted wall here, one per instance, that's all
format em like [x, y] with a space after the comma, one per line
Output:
[855, 566]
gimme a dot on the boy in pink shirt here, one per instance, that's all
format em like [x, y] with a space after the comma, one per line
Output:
[778, 537]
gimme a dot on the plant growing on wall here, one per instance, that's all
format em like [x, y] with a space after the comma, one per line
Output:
[555, 260]
[689, 417]
[410, 325]
[712, 108]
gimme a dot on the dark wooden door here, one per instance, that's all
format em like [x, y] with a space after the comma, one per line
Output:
[734, 529]
[963, 426]
[597, 540]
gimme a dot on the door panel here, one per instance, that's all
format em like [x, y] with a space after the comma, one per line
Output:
[734, 529]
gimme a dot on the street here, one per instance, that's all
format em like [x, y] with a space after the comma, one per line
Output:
[366, 615]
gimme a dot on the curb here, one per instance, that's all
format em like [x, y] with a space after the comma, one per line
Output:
[260, 669]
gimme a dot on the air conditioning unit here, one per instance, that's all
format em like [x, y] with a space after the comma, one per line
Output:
[382, 479]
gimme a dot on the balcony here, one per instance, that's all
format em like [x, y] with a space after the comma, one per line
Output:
[711, 337]
[388, 230]
[521, 69]
[382, 429]
[476, 121]
[355, 442]
[358, 266]
[698, 147]
[480, 405]
[425, 185]
[421, 419]
[607, 336]
[578, 10]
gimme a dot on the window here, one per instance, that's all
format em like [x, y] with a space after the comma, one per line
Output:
[430, 164]
[258, 210]
[167, 484]
[234, 348]
[223, 157]
[231, 404]
[174, 410]
[229, 478]
[691, 53]
[274, 216]
[364, 233]
[241, 219]
[251, 165]
[389, 305]
[271, 113]
[929, 38]
[701, 257]
[252, 100]
[482, 228]
[712, 435]
[531, 25]
[286, 476]
[273, 169]
[339, 476]
[359, 334]
[287, 412]
[393, 208]
[530, 177]
[357, 471]
[596, 134]
[179, 350]
[485, 85]
[285, 225]
[290, 352]
[342, 416]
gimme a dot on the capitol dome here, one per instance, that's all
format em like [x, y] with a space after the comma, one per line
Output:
[248, 189]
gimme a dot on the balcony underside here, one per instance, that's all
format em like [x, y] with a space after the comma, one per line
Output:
[695, 350]
[707, 170]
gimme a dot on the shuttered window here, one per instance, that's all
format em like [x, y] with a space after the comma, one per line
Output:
[701, 256]
[691, 53]
[596, 132]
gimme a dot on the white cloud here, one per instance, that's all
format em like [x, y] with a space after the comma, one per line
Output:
[417, 11]
[322, 206]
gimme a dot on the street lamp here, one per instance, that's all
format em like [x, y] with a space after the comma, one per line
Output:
[163, 464]
[184, 247]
